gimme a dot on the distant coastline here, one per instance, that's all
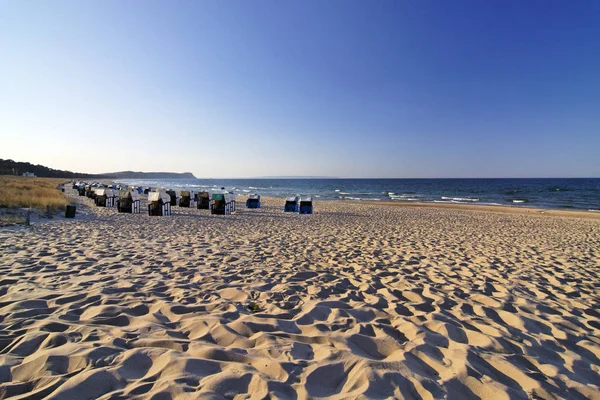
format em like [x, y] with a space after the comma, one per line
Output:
[11, 167]
[147, 175]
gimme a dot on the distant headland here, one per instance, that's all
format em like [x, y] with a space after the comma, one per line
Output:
[10, 167]
[148, 175]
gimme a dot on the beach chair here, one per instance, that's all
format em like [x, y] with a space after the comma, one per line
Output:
[291, 204]
[129, 202]
[92, 193]
[174, 197]
[104, 197]
[222, 204]
[253, 201]
[159, 203]
[306, 205]
[203, 201]
[185, 199]
[230, 198]
[111, 197]
[81, 190]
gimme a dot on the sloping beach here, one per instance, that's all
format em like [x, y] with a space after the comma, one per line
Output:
[354, 301]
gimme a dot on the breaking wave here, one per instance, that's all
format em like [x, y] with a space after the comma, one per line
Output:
[459, 198]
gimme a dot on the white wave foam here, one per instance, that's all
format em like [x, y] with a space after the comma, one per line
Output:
[592, 210]
[349, 198]
[402, 198]
[453, 202]
[459, 198]
[518, 201]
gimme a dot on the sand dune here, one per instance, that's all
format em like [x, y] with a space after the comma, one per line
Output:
[355, 301]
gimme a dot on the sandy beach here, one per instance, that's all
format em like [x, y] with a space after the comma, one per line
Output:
[354, 301]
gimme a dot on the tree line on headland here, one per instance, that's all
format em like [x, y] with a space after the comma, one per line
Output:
[11, 167]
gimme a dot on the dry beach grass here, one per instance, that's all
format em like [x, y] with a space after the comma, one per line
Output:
[355, 301]
[17, 191]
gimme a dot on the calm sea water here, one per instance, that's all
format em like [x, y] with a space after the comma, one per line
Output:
[581, 193]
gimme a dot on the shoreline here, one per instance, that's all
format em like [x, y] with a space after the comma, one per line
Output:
[566, 194]
[493, 208]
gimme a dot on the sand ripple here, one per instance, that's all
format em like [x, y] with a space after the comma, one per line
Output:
[356, 301]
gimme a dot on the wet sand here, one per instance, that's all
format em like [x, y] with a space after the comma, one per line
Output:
[355, 301]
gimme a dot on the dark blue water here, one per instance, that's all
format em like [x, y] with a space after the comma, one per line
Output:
[581, 193]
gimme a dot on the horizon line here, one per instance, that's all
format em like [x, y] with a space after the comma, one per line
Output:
[328, 177]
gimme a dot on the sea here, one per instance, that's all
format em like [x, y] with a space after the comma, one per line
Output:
[549, 193]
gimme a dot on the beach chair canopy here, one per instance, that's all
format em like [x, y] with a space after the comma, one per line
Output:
[253, 197]
[291, 199]
[185, 193]
[135, 195]
[306, 199]
[229, 197]
[156, 196]
[105, 192]
[218, 196]
[126, 194]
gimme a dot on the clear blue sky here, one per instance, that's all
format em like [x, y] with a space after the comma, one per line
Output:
[337, 88]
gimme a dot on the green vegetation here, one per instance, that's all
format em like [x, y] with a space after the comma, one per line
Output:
[254, 307]
[16, 168]
[10, 167]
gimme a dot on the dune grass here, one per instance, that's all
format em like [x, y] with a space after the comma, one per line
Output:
[17, 192]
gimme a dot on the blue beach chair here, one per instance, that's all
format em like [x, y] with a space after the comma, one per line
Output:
[306, 205]
[253, 201]
[291, 204]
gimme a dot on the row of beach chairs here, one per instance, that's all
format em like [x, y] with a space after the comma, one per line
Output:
[160, 202]
[302, 205]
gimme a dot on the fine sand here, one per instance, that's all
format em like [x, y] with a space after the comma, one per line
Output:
[355, 301]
